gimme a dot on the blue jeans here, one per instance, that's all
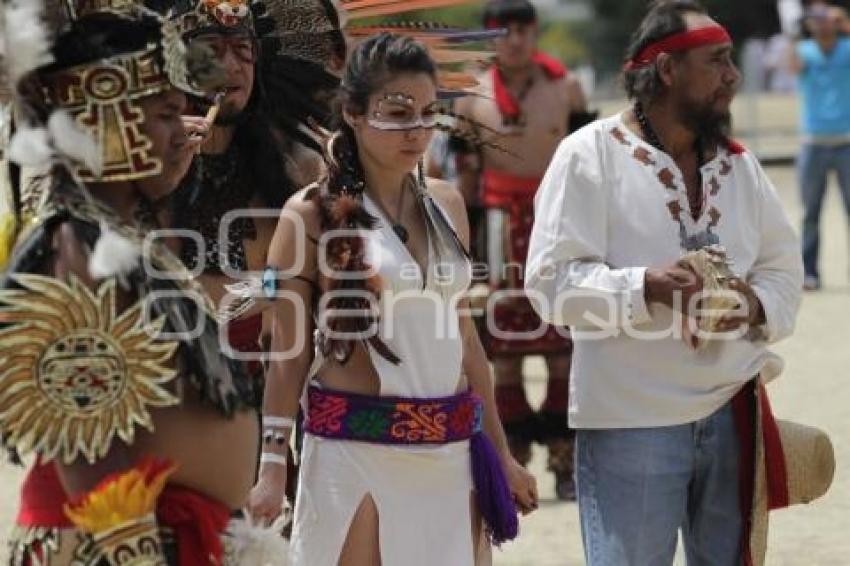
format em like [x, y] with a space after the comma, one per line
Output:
[638, 487]
[813, 165]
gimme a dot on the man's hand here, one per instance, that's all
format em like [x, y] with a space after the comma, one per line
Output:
[749, 311]
[673, 286]
[197, 131]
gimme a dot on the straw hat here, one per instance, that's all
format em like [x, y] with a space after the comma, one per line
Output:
[809, 467]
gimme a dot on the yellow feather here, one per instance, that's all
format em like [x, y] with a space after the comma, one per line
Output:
[123, 499]
[8, 233]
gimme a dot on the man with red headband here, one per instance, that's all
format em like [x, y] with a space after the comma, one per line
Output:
[532, 102]
[637, 214]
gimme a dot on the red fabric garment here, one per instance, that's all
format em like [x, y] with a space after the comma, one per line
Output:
[515, 194]
[777, 475]
[735, 146]
[243, 335]
[507, 103]
[744, 408]
[502, 189]
[43, 498]
[198, 522]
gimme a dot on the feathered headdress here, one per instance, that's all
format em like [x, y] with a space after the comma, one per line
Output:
[303, 45]
[75, 104]
[85, 114]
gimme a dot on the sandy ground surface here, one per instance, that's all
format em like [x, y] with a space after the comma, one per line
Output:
[814, 390]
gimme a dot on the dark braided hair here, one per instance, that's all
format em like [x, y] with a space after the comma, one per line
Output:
[339, 195]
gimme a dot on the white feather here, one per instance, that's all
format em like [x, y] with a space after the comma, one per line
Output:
[26, 38]
[30, 147]
[73, 141]
[257, 545]
[114, 256]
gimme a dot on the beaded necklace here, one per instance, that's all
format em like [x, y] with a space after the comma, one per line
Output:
[696, 205]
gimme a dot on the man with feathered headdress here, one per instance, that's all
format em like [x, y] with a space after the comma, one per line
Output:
[111, 371]
[259, 144]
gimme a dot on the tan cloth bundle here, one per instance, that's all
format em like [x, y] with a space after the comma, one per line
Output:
[712, 265]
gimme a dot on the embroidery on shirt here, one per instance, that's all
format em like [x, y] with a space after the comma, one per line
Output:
[620, 136]
[714, 214]
[714, 184]
[667, 179]
[643, 156]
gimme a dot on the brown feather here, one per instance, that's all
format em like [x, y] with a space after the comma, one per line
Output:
[367, 8]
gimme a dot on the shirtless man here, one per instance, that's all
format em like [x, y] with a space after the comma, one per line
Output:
[117, 374]
[532, 102]
[254, 155]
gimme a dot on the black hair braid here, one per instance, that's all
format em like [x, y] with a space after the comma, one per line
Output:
[339, 195]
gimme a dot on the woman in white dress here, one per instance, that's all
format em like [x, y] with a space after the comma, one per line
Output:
[403, 453]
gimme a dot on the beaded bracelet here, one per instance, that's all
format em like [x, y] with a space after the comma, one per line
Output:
[272, 458]
[272, 435]
[278, 422]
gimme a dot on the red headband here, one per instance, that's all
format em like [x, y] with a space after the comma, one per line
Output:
[678, 42]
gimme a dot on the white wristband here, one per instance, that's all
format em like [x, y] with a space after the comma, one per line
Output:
[278, 422]
[272, 458]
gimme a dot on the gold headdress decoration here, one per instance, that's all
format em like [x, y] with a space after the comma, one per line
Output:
[88, 116]
[73, 373]
[192, 17]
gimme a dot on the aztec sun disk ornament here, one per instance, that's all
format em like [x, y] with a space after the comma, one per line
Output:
[75, 374]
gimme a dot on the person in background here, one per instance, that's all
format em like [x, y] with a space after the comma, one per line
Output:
[531, 102]
[822, 63]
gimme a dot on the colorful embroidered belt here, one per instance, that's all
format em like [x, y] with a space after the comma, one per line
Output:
[393, 420]
[406, 421]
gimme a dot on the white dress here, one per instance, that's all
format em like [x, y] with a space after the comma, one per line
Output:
[422, 494]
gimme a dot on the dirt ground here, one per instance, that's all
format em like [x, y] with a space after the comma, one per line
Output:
[814, 390]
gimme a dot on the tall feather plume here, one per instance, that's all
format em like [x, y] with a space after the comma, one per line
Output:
[309, 30]
[427, 32]
[468, 121]
[358, 9]
[27, 44]
[474, 139]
